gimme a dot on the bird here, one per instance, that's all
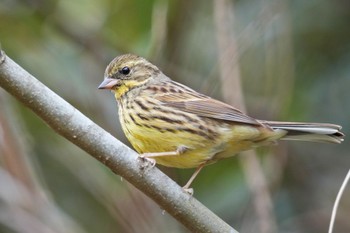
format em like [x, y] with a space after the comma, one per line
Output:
[176, 126]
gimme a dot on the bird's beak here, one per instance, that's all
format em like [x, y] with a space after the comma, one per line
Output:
[108, 83]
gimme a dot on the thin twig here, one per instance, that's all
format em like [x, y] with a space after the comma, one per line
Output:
[336, 203]
[77, 128]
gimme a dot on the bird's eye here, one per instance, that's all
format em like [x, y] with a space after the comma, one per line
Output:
[125, 70]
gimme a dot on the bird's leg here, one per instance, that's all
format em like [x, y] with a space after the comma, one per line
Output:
[159, 154]
[180, 150]
[189, 182]
[149, 156]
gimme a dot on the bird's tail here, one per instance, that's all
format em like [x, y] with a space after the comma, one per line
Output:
[312, 132]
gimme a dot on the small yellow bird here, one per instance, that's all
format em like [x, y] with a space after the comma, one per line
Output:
[179, 127]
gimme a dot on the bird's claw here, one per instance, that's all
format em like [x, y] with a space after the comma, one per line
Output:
[188, 190]
[144, 158]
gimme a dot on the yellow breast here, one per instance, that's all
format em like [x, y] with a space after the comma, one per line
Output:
[156, 132]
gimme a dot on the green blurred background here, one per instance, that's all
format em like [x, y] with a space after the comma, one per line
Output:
[294, 63]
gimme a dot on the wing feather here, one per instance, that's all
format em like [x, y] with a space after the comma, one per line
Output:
[191, 101]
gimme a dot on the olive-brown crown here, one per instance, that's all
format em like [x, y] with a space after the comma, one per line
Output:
[130, 67]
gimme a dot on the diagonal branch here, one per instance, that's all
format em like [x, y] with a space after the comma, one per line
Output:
[77, 128]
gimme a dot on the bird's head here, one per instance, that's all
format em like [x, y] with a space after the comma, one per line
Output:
[127, 72]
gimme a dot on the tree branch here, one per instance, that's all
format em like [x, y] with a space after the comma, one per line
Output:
[77, 128]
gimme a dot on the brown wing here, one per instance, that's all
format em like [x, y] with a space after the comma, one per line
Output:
[191, 101]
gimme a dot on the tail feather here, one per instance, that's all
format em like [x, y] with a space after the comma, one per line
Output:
[312, 132]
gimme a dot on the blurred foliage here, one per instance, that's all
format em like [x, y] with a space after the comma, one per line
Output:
[294, 58]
